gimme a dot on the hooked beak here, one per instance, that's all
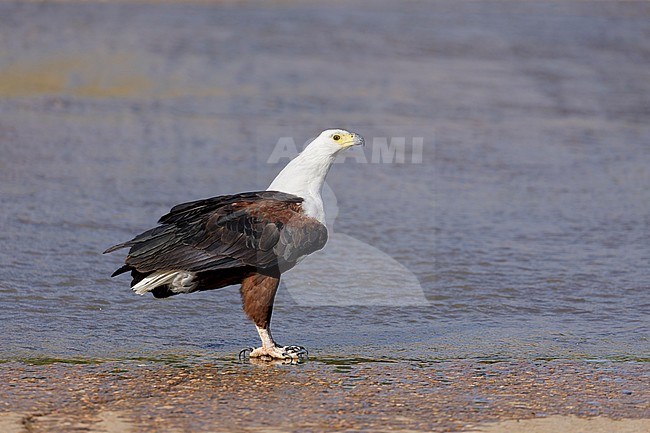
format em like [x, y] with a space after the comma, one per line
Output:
[357, 140]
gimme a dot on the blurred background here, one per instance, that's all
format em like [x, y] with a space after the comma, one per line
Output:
[521, 229]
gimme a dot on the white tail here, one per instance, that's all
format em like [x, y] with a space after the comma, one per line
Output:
[178, 281]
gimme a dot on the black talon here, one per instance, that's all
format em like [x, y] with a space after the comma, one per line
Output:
[301, 351]
[243, 352]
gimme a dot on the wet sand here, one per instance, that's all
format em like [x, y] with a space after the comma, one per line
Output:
[325, 395]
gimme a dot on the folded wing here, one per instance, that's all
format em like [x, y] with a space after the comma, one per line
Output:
[263, 230]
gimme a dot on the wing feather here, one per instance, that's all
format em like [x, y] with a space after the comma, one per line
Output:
[264, 229]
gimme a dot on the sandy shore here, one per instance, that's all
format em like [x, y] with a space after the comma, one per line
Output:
[325, 395]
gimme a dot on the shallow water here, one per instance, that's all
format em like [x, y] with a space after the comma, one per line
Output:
[522, 233]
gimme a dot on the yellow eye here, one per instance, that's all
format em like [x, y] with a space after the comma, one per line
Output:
[336, 137]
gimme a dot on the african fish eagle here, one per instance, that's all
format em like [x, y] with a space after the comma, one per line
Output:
[249, 238]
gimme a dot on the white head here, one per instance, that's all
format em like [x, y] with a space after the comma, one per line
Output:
[332, 141]
[305, 174]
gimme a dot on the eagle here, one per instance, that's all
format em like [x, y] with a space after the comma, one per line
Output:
[248, 239]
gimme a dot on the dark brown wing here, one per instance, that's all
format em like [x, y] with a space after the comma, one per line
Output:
[265, 230]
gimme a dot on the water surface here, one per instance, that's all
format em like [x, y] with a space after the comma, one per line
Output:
[522, 233]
